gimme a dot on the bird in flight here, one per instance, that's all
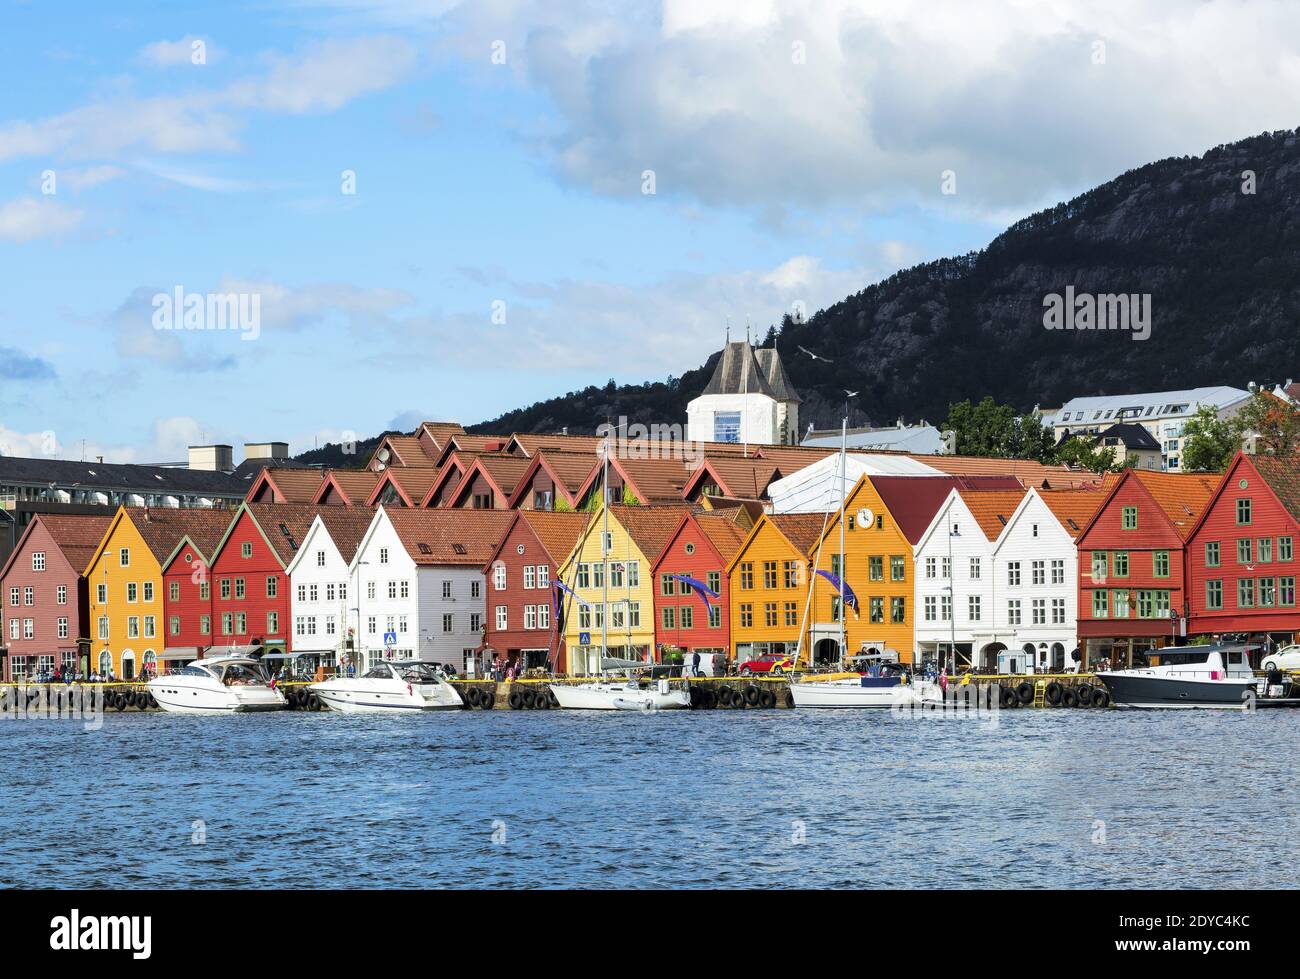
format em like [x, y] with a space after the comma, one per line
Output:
[814, 356]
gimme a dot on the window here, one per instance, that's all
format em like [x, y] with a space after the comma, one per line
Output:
[320, 559]
[543, 618]
[666, 584]
[1153, 604]
[240, 591]
[133, 627]
[1129, 518]
[370, 591]
[930, 608]
[1013, 573]
[1267, 592]
[1214, 594]
[205, 625]
[392, 588]
[1160, 564]
[150, 625]
[1039, 610]
[1243, 513]
[446, 589]
[38, 560]
[241, 623]
[383, 555]
[205, 590]
[61, 595]
[668, 616]
[877, 610]
[103, 627]
[101, 594]
[876, 570]
[746, 615]
[1245, 551]
[974, 568]
[1286, 591]
[499, 577]
[15, 593]
[1100, 604]
[769, 574]
[1266, 550]
[63, 627]
[973, 607]
[530, 616]
[273, 622]
[132, 591]
[246, 551]
[1119, 562]
[1058, 572]
[947, 568]
[1212, 555]
[931, 567]
[746, 576]
[687, 616]
[29, 595]
[791, 614]
[898, 610]
[124, 557]
[897, 568]
[447, 621]
[726, 426]
[1245, 592]
[1119, 605]
[1058, 611]
[789, 570]
[715, 616]
[225, 587]
[1284, 548]
[769, 614]
[530, 577]
[714, 580]
[945, 608]
[1100, 565]
[1038, 571]
[272, 586]
[227, 624]
[174, 591]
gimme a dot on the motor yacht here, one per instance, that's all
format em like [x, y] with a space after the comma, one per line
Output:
[1217, 676]
[230, 684]
[404, 685]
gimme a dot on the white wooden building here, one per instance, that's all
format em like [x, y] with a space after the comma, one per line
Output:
[321, 592]
[420, 585]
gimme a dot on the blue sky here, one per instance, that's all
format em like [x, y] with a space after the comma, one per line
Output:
[797, 150]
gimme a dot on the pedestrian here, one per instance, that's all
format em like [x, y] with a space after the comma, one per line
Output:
[695, 663]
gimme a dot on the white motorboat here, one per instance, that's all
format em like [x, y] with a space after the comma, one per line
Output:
[229, 684]
[887, 684]
[631, 695]
[405, 685]
[1188, 677]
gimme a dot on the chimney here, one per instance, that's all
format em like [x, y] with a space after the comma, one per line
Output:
[564, 430]
[267, 453]
[212, 458]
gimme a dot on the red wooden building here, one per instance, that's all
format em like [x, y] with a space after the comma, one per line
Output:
[1132, 565]
[43, 598]
[700, 548]
[250, 590]
[520, 578]
[1242, 552]
[187, 586]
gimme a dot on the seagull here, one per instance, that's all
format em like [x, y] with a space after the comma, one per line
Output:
[850, 394]
[814, 356]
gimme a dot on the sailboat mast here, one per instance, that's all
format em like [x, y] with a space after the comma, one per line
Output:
[604, 559]
[844, 492]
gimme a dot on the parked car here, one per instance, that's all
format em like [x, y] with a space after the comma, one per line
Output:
[776, 665]
[1286, 658]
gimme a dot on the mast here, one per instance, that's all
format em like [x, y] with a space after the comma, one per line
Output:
[844, 436]
[604, 557]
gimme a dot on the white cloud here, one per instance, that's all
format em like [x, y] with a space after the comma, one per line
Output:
[323, 77]
[28, 218]
[184, 51]
[86, 177]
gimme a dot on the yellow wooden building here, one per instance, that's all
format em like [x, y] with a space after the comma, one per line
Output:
[125, 590]
[768, 584]
[623, 606]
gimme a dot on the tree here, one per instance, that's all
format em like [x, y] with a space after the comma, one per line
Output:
[1272, 424]
[1085, 454]
[991, 429]
[1209, 442]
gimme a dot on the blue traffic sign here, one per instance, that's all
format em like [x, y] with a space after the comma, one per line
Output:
[390, 638]
[584, 638]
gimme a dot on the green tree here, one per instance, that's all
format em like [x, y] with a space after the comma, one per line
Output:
[1209, 442]
[991, 429]
[1085, 454]
[1273, 425]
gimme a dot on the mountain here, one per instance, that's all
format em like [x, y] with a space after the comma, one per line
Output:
[1222, 268]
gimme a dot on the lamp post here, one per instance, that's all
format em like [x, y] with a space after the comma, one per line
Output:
[360, 650]
[952, 596]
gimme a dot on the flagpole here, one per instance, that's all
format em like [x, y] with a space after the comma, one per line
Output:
[604, 558]
[844, 436]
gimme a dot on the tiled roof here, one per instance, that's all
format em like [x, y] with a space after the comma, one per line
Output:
[1028, 471]
[1283, 478]
[723, 533]
[355, 485]
[77, 536]
[410, 453]
[285, 525]
[914, 500]
[650, 527]
[442, 431]
[162, 528]
[347, 527]
[655, 481]
[1130, 436]
[112, 476]
[205, 529]
[1181, 496]
[532, 443]
[558, 532]
[480, 443]
[438, 537]
[413, 483]
[740, 477]
[801, 529]
[571, 469]
[1073, 507]
[293, 485]
[505, 471]
[992, 509]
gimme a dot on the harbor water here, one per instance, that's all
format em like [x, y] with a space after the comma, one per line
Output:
[1076, 799]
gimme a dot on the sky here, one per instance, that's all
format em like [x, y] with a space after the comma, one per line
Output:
[445, 210]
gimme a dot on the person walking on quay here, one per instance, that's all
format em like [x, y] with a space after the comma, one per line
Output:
[695, 663]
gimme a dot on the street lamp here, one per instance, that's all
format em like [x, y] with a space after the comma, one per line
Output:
[360, 645]
[953, 531]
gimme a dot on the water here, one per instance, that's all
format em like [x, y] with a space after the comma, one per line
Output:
[1061, 798]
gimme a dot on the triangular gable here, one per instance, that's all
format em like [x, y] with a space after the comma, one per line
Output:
[103, 541]
[380, 517]
[449, 466]
[540, 461]
[766, 521]
[687, 518]
[261, 485]
[317, 526]
[1239, 460]
[598, 472]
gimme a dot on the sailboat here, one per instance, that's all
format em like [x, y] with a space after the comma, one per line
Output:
[606, 693]
[886, 682]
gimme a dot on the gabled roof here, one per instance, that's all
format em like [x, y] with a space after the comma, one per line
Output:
[203, 531]
[735, 476]
[1131, 437]
[531, 443]
[289, 485]
[440, 432]
[650, 527]
[411, 485]
[449, 537]
[739, 372]
[464, 442]
[347, 527]
[913, 501]
[558, 533]
[723, 533]
[800, 530]
[992, 509]
[652, 481]
[75, 535]
[353, 486]
[454, 466]
[1074, 508]
[1283, 478]
[405, 451]
[283, 526]
[568, 470]
[1181, 497]
[502, 472]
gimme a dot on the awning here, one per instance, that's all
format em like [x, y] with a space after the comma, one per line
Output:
[181, 652]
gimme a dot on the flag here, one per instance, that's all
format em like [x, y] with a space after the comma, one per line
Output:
[850, 599]
[703, 590]
[576, 597]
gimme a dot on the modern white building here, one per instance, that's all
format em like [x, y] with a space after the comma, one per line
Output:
[1162, 413]
[748, 400]
[922, 439]
[817, 488]
[419, 583]
[321, 596]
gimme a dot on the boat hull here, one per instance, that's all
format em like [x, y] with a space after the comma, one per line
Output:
[617, 697]
[1146, 691]
[383, 697]
[850, 694]
[181, 695]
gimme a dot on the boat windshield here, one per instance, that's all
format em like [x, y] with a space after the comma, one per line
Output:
[240, 674]
[1182, 658]
[380, 671]
[195, 671]
[417, 672]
